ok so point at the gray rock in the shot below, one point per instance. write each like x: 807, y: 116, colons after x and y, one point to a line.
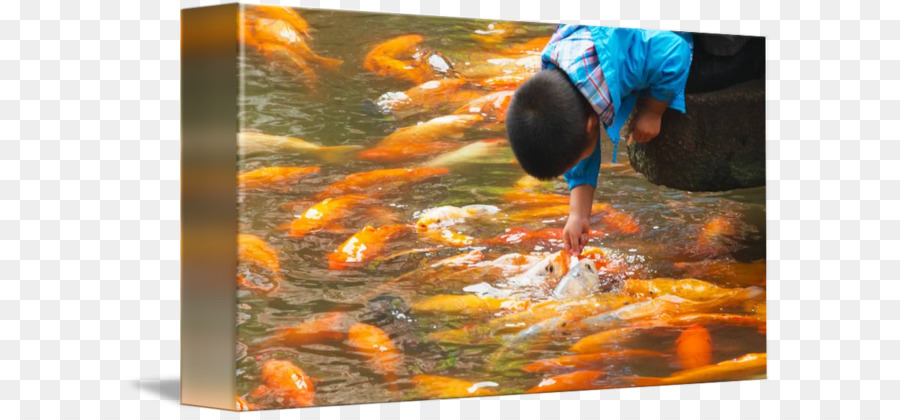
x: 720, y: 144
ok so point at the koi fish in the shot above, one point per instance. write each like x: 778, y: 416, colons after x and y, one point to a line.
x: 619, y: 222
x: 692, y: 289
x: 550, y: 212
x: 668, y: 306
x: 726, y: 272
x: 593, y: 360
x: 278, y: 53
x: 615, y: 338
x: 694, y: 347
x: 250, y: 143
x: 384, y: 358
x: 534, y: 46
x: 277, y: 31
x: 325, y: 214
x: 492, y: 107
x: 482, y: 151
x: 384, y: 60
x: 527, y: 199
x: 241, y: 404
x: 742, y: 367
x: 253, y: 251
x: 518, y: 235
x: 273, y: 176
x: 462, y: 260
x: 443, y: 387
x: 512, y: 64
x: 581, y: 280
x: 420, y: 140
x: 505, y: 82
x: 717, y: 234
x: 445, y: 216
x: 324, y: 328
x: 467, y: 305
x: 575, y: 381
x: 363, y: 246
x: 449, y: 237
x: 286, y: 383
x: 374, y: 182
x: 430, y: 95
x: 286, y: 14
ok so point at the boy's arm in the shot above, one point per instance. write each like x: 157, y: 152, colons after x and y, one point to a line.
x: 648, y: 119
x: 575, y: 234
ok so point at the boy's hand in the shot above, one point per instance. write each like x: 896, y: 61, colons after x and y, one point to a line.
x: 575, y: 234
x: 646, y: 123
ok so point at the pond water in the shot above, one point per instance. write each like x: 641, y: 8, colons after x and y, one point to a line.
x: 337, y: 109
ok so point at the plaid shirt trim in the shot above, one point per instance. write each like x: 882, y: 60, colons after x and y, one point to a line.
x: 572, y: 50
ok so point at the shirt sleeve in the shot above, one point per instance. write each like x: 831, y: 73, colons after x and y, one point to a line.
x: 672, y: 56
x: 586, y: 171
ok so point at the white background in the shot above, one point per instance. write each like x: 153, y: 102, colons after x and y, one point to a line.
x: 89, y: 212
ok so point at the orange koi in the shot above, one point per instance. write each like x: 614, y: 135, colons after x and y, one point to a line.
x: 694, y: 347
x: 324, y: 328
x: 726, y: 272
x: 374, y: 182
x: 449, y: 237
x: 443, y: 387
x: 505, y: 82
x: 253, y: 249
x: 534, y: 46
x: 461, y: 260
x: 493, y: 106
x: 468, y: 305
x: 449, y: 215
x: 273, y: 176
x: 363, y: 246
x: 427, y: 95
x: 592, y: 360
x: 575, y: 381
x: 286, y: 383
x: 384, y: 357
x: 620, y: 222
x: 550, y: 212
x: 427, y: 133
x: 692, y: 289
x: 527, y: 199
x: 324, y: 214
x: 746, y: 366
x: 241, y: 404
x: 280, y: 32
x: 404, y: 152
x: 384, y: 60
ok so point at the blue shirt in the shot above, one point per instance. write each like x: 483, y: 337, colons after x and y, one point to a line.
x: 620, y: 65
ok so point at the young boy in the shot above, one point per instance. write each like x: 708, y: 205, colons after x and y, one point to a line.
x: 590, y: 76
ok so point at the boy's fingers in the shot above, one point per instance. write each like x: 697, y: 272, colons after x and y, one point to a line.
x: 630, y: 139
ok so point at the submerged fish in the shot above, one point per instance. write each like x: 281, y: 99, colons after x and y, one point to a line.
x: 273, y: 176
x: 593, y: 361
x: 742, y: 367
x: 550, y: 212
x: 421, y: 140
x: 326, y: 214
x: 726, y: 272
x: 449, y: 237
x: 384, y: 358
x: 445, y: 216
x: 240, y: 404
x: 397, y: 58
x: 429, y: 96
x: 528, y: 199
x: 482, y: 151
x: 692, y: 289
x: 363, y: 246
x: 533, y: 46
x: 286, y: 14
x: 468, y: 305
x: 694, y: 347
x: 328, y: 327
x: 575, y: 381
x: 581, y: 280
x: 380, y: 180
x: 492, y: 107
x: 505, y: 81
x: 443, y: 387
x: 255, y: 143
x: 258, y: 264
x: 286, y: 384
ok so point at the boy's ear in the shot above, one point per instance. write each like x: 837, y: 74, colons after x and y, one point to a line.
x: 593, y: 122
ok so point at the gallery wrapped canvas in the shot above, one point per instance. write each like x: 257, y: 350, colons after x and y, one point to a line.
x: 393, y: 207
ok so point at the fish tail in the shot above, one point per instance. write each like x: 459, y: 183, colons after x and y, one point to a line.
x: 328, y: 63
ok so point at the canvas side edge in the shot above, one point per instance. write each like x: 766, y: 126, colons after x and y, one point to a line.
x: 209, y: 89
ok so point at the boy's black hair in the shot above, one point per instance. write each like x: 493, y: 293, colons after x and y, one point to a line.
x: 547, y: 124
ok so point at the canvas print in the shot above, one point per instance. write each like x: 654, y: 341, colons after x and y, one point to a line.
x: 441, y: 208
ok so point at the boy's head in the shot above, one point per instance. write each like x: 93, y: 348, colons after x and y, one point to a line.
x: 550, y: 125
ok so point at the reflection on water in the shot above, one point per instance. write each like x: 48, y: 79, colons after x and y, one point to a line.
x: 339, y: 109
